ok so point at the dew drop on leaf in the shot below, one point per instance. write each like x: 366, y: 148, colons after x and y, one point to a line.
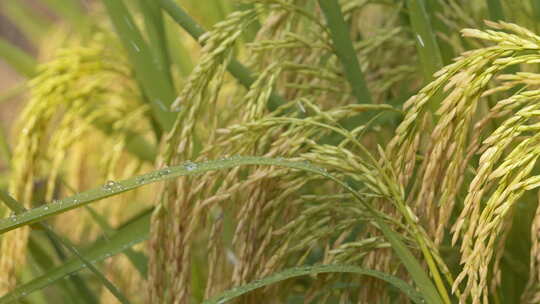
x: 190, y: 166
x: 301, y: 107
x: 135, y: 47
x: 110, y: 185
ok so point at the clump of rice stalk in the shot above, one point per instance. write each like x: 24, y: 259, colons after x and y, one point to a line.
x: 507, y: 154
x: 170, y: 260
x: 274, y: 224
x: 75, y: 92
x: 297, y: 35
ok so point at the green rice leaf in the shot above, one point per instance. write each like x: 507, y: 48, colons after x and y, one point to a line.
x: 127, y: 236
x: 426, y: 44
x: 5, y: 151
x: 536, y: 10
x: 313, y: 270
x: 189, y: 168
x: 178, y: 52
x: 139, y: 260
x: 31, y: 23
x: 495, y: 8
x: 21, y: 62
x: 345, y: 50
x: 155, y: 30
x: 155, y: 84
x: 18, y: 208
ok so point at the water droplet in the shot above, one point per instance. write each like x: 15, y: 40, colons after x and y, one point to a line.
x: 162, y: 105
x: 221, y: 300
x: 110, y: 185
x: 420, y: 40
x: 176, y: 105
x: 128, y: 22
x: 135, y: 46
x: 190, y: 166
x: 164, y: 172
x: 301, y: 107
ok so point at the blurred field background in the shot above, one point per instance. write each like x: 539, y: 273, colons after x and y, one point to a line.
x: 9, y: 78
x: 21, y: 26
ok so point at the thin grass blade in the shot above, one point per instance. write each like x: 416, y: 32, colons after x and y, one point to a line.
x: 21, y: 61
x: 138, y: 259
x: 113, y: 188
x: 343, y: 46
x: 495, y: 8
x: 133, y: 233
x: 5, y: 151
x: 536, y: 10
x: 31, y: 24
x: 157, y: 87
x: 312, y: 270
x: 18, y: 208
x: 178, y: 52
x: 426, y: 44
x: 155, y: 30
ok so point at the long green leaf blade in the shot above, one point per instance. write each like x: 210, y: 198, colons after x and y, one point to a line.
x: 17, y: 208
x: 5, y: 151
x: 17, y: 58
x: 426, y: 44
x: 495, y: 9
x: 137, y: 259
x: 345, y: 50
x: 311, y: 270
x: 112, y: 188
x: 155, y: 30
x: 155, y: 84
x: 127, y: 236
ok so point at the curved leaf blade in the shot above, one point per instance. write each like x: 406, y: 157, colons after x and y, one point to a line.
x: 189, y: 168
x: 310, y: 270
x: 113, y: 188
x: 125, y: 238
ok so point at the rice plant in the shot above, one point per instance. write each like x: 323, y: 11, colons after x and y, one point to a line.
x: 273, y: 151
